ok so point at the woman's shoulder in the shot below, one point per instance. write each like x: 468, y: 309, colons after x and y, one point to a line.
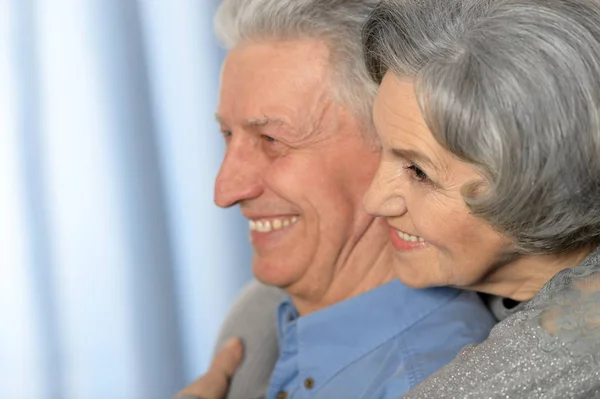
x: 566, y: 314
x: 549, y: 349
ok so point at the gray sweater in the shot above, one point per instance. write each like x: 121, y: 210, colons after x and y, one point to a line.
x: 253, y: 318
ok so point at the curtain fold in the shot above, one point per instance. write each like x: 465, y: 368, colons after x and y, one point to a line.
x: 116, y: 268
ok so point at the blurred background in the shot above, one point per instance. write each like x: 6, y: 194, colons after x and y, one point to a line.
x: 116, y: 268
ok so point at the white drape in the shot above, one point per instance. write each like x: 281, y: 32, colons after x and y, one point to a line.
x: 115, y: 266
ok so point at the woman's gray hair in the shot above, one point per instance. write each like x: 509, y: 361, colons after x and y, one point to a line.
x: 512, y: 86
x: 337, y: 23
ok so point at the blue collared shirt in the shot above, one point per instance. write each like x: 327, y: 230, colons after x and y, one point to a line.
x: 376, y: 345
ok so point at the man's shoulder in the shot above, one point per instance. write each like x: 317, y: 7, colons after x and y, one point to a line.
x: 465, y: 310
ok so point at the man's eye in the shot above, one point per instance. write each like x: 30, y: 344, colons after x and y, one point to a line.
x: 226, y: 133
x: 269, y: 138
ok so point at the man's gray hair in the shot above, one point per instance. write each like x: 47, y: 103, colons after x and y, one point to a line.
x: 337, y: 23
x: 512, y: 86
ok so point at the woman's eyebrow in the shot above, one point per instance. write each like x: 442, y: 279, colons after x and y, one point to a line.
x: 414, y: 156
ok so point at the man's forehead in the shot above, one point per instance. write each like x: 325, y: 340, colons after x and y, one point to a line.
x: 265, y: 72
x: 279, y: 54
x: 281, y: 84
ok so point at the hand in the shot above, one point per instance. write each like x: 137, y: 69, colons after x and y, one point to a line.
x: 215, y: 383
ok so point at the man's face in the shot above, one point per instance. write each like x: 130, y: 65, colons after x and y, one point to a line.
x: 296, y: 162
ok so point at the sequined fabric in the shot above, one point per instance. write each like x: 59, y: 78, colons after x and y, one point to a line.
x: 549, y: 349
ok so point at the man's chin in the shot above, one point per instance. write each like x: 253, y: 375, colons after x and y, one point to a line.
x: 275, y: 274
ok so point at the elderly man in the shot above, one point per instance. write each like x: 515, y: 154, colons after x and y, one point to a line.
x: 294, y: 111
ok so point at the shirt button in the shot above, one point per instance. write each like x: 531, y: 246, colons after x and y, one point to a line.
x: 282, y: 395
x: 309, y: 383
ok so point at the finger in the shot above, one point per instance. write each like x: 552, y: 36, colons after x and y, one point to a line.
x: 208, y: 386
x: 215, y: 383
x: 228, y: 359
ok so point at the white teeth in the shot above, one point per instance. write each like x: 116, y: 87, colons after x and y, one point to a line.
x: 409, y: 237
x: 265, y: 226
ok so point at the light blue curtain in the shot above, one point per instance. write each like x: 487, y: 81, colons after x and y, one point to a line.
x: 116, y: 268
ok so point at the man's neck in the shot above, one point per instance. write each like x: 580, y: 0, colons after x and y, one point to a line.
x: 363, y: 264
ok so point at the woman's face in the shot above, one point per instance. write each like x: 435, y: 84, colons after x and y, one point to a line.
x: 417, y: 189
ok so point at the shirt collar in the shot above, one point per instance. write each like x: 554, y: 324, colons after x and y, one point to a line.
x: 330, y: 339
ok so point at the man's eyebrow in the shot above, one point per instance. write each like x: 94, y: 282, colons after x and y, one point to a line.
x: 414, y: 156
x: 262, y: 121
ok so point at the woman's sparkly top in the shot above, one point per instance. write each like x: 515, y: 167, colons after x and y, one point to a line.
x: 548, y: 348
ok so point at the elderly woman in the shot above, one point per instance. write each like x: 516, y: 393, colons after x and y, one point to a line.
x: 489, y: 118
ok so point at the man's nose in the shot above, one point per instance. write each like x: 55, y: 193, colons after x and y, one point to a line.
x: 240, y: 177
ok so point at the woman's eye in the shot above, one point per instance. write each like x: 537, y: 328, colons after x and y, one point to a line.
x: 417, y: 173
x: 226, y: 133
x: 269, y: 138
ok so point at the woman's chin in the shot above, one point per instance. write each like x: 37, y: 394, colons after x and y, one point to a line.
x: 413, y: 278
